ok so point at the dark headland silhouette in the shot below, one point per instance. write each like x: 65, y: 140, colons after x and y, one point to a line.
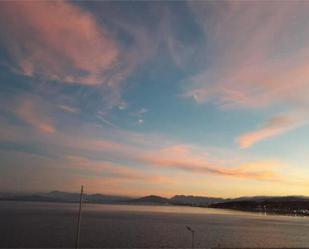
x: 292, y: 205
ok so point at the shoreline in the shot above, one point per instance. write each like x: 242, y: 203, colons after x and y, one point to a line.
x: 260, y: 212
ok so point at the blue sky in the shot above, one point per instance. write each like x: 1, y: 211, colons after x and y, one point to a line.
x: 164, y: 98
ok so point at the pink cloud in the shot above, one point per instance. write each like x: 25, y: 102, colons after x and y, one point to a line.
x: 259, y: 59
x: 145, y: 151
x: 158, y: 168
x: 57, y: 40
x: 68, y: 173
x: 107, y: 168
x: 260, y: 55
x: 35, y: 172
x: 148, y: 150
x: 261, y: 85
x: 275, y: 126
x: 69, y: 109
x: 184, y: 158
x: 40, y: 115
x: 31, y: 113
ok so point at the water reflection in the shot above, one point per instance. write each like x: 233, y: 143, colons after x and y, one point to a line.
x: 53, y: 225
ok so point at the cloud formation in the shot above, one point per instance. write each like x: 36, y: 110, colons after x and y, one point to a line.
x: 183, y: 158
x: 70, y: 58
x: 32, y: 113
x: 143, y: 151
x: 121, y: 157
x: 262, y: 54
x: 69, y: 109
x: 57, y: 40
x: 275, y: 126
x: 258, y: 58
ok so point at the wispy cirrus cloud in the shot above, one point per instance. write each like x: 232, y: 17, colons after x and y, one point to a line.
x: 182, y: 157
x: 258, y: 58
x: 106, y: 169
x: 69, y: 109
x: 275, y: 126
x: 142, y: 150
x: 31, y: 112
x: 101, y: 156
x: 57, y: 41
x: 46, y: 173
x: 65, y: 42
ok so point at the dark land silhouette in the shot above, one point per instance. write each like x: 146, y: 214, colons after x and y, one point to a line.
x: 292, y: 205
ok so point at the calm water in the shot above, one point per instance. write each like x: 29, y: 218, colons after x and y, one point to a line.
x: 33, y: 224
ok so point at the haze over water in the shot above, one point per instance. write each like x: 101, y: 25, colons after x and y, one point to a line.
x: 34, y: 224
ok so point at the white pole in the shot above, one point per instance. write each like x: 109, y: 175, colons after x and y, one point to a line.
x: 79, y: 217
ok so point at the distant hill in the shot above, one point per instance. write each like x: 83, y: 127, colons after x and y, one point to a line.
x: 184, y: 200
x: 297, y: 205
x: 64, y: 196
x: 58, y: 196
x: 151, y: 199
x: 32, y: 197
x: 190, y: 200
x: 94, y: 198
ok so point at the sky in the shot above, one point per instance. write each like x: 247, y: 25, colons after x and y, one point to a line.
x: 133, y: 98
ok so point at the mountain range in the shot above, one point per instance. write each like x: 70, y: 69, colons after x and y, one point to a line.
x: 59, y: 196
x: 269, y: 204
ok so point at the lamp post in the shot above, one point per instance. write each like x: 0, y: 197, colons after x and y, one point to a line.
x: 192, y: 233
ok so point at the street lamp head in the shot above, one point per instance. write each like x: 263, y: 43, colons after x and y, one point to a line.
x: 190, y: 229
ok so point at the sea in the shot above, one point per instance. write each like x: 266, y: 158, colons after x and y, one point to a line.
x: 53, y: 225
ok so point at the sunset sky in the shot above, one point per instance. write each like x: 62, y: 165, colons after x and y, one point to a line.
x: 136, y: 98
